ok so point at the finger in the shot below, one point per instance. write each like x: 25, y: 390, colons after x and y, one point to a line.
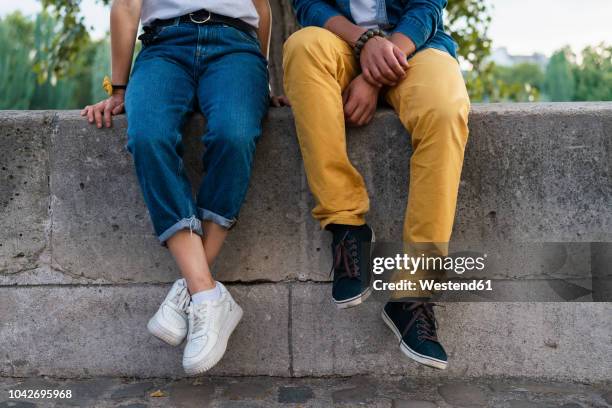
x: 98, y: 116
x: 387, y: 72
x: 107, y: 115
x: 84, y: 111
x: 361, y: 114
x: 350, y: 106
x: 401, y: 57
x: 395, y: 66
x: 378, y: 77
x: 367, y: 75
x: 345, y: 95
x: 90, y: 114
x: 357, y: 112
x: 274, y: 102
x: 285, y: 100
x: 118, y: 109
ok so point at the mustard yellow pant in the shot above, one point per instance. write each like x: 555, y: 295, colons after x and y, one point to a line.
x: 432, y: 104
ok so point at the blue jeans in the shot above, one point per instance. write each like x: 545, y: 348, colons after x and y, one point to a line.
x: 183, y: 67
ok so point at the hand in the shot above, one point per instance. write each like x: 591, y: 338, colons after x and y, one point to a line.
x: 114, y: 105
x: 382, y: 62
x: 278, y: 101
x: 359, y: 99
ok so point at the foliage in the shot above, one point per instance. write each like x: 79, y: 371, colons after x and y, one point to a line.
x: 16, y: 78
x: 593, y: 77
x: 520, y: 83
x: 468, y: 22
x: 559, y: 76
x: 24, y: 43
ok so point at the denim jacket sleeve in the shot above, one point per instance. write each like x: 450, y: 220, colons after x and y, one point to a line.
x: 420, y: 20
x: 314, y: 12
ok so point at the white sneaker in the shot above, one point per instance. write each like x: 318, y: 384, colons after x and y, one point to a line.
x: 210, y: 325
x: 170, y: 322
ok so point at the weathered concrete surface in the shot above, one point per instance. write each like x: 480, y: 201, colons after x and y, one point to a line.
x: 24, y: 190
x: 536, y: 172
x: 499, y: 339
x: 72, y: 217
x: 70, y: 331
x: 261, y: 392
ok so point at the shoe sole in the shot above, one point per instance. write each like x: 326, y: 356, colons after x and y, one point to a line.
x: 218, y: 350
x: 419, y: 358
x: 354, y: 301
x: 163, y: 334
x: 360, y: 298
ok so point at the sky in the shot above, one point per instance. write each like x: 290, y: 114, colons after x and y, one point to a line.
x: 523, y: 26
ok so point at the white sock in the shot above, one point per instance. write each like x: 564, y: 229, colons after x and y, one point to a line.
x: 206, y: 295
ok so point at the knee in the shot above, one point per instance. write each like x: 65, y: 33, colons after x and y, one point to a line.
x: 233, y: 137
x: 446, y: 117
x: 146, y: 136
x: 448, y: 112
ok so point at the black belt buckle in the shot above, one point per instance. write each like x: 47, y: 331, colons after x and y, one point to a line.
x: 194, y: 17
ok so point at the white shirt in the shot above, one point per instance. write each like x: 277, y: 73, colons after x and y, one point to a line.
x: 364, y: 13
x: 163, y: 9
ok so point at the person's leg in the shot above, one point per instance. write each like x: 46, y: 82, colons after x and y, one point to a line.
x: 160, y: 95
x: 433, y: 105
x: 233, y: 96
x: 318, y: 65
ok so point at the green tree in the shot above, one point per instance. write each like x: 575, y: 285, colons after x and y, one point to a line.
x: 16, y: 79
x: 594, y: 74
x: 559, y: 82
x: 468, y: 22
x: 24, y: 43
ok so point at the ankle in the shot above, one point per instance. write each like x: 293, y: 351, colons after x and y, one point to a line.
x: 206, y: 295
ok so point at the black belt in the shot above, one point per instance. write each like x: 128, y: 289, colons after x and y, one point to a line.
x: 206, y: 17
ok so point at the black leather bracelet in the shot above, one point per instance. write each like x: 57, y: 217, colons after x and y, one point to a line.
x: 365, y: 37
x: 119, y: 86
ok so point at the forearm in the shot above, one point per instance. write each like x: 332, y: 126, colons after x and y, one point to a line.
x: 125, y: 16
x: 264, y: 31
x: 346, y: 30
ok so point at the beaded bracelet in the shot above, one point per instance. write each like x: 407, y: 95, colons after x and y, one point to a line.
x: 363, y: 39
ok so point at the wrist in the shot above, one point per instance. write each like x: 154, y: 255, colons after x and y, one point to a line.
x: 403, y: 42
x: 374, y: 87
x: 365, y: 38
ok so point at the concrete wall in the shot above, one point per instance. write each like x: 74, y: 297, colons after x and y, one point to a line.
x: 81, y: 271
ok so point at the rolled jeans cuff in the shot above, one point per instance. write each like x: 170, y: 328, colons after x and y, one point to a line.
x: 192, y: 223
x: 207, y: 215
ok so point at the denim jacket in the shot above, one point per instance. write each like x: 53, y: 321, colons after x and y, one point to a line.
x: 419, y: 20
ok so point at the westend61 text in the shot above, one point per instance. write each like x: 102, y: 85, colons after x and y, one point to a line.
x: 432, y: 285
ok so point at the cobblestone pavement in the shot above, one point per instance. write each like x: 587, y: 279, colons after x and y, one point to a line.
x: 242, y: 392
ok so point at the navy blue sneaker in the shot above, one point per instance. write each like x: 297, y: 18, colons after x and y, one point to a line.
x: 351, y: 249
x: 414, y: 324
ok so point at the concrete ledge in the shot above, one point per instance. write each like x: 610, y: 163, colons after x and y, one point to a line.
x: 555, y: 340
x: 82, y: 331
x: 81, y: 271
x: 72, y: 211
x: 295, y: 330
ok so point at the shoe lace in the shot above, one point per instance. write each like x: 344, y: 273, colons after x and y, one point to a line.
x: 182, y: 298
x: 424, y: 318
x: 197, y: 318
x: 346, y: 255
